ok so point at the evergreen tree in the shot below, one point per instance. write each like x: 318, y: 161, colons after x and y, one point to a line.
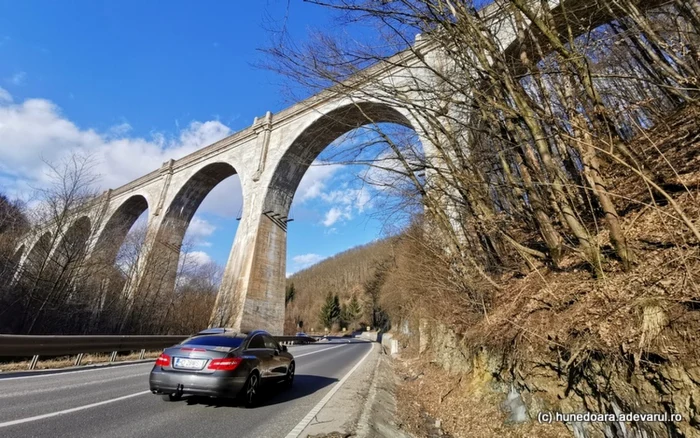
x: 289, y: 294
x: 330, y: 312
x: 344, y: 316
x: 353, y: 312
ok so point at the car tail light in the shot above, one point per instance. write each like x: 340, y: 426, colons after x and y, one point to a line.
x: 163, y: 360
x: 226, y: 364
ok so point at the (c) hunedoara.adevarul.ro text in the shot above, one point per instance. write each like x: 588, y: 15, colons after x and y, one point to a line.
x: 546, y: 417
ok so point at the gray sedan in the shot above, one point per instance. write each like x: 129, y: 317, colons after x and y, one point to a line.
x: 220, y: 363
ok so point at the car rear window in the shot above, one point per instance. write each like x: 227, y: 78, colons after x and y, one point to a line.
x: 215, y: 341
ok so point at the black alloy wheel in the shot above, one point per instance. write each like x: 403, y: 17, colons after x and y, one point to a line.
x: 290, y: 375
x: 251, y: 389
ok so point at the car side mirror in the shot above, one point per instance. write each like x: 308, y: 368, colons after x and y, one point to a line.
x: 284, y: 348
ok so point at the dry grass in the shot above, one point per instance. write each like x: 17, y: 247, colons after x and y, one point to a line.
x: 652, y: 308
x: 68, y: 361
x: 564, y: 317
x: 463, y: 406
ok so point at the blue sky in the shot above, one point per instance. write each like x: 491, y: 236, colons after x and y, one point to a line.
x: 136, y: 83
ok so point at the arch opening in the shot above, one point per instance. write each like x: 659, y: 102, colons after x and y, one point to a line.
x: 113, y: 263
x: 39, y: 253
x: 184, y: 264
x: 70, y: 252
x: 118, y: 226
x: 314, y: 139
x: 357, y: 141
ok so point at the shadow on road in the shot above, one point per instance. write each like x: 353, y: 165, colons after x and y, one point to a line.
x: 271, y: 394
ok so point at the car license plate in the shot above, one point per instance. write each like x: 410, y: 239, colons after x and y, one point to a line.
x: 190, y: 364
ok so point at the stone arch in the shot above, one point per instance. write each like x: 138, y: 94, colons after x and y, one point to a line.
x: 17, y: 256
x: 188, y: 199
x: 160, y: 269
x: 72, y: 246
x: 252, y: 292
x: 38, y: 254
x: 315, y: 138
x: 14, y: 263
x: 117, y: 227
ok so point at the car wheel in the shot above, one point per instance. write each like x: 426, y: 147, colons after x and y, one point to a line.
x: 251, y: 389
x: 290, y: 375
x: 171, y: 397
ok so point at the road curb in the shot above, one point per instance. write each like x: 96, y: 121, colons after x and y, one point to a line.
x: 301, y: 429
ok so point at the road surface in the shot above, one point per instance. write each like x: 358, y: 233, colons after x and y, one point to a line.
x: 115, y: 401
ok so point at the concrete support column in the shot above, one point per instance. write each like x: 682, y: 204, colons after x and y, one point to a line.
x: 252, y: 291
x: 264, y: 304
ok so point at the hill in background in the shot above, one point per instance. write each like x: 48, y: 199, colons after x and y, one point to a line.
x: 345, y: 274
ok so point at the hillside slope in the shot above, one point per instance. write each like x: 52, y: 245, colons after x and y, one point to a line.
x: 344, y: 274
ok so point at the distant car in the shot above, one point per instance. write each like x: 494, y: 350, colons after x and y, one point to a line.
x: 301, y: 334
x: 222, y: 364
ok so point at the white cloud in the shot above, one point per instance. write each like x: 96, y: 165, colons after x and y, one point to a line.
x: 18, y: 78
x: 315, y: 180
x: 332, y: 216
x: 357, y: 198
x: 388, y: 175
x: 317, y: 184
x: 5, y: 96
x: 304, y: 260
x: 198, y: 230
x: 225, y: 199
x: 36, y: 129
x: 189, y: 264
x: 120, y: 130
x: 199, y: 258
x: 363, y: 199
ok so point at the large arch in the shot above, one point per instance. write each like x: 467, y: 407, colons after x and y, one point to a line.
x: 17, y: 257
x: 160, y: 266
x: 309, y: 144
x: 72, y: 246
x: 114, y: 233
x: 37, y: 256
x: 252, y: 295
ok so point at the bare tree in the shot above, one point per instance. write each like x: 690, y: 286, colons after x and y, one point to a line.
x: 519, y: 140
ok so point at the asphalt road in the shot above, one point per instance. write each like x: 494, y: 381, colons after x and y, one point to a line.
x: 115, y: 401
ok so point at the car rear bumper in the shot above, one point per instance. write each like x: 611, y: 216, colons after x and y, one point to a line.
x: 192, y: 384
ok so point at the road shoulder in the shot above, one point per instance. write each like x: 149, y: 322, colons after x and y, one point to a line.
x: 365, y: 406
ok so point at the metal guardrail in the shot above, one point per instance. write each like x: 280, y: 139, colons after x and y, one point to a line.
x: 291, y: 340
x: 68, y: 345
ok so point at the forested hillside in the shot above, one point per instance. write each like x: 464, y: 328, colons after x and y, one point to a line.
x: 347, y: 275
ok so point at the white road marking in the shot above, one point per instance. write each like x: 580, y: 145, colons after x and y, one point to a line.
x: 75, y: 385
x: 57, y: 372
x: 318, y: 351
x: 68, y: 411
x: 299, y: 428
x: 63, y: 373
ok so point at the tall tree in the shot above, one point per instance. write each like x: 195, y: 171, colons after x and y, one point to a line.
x: 330, y: 312
x: 289, y: 294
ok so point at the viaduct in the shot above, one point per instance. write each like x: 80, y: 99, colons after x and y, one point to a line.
x: 270, y: 157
